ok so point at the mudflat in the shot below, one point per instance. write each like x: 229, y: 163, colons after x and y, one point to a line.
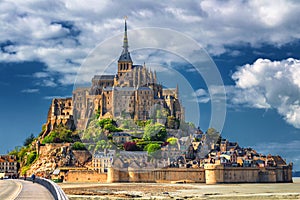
x: 182, y: 191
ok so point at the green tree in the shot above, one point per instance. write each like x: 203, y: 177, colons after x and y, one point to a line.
x: 31, y: 158
x: 155, y: 132
x: 91, y: 147
x: 29, y: 140
x: 153, y: 150
x: 112, y: 128
x: 15, y: 152
x: 172, y: 140
x: 102, y: 144
x: 22, y: 153
x: 103, y: 122
x: 97, y: 114
x: 78, y: 146
x: 108, y: 124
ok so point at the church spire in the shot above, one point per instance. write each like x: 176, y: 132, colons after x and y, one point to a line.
x: 125, y: 56
x: 125, y: 40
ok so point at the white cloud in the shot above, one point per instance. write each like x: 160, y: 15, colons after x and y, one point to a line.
x: 201, y: 95
x: 56, y: 97
x: 269, y: 85
x: 40, y: 75
x: 30, y: 90
x: 264, y: 84
x: 200, y: 92
x: 62, y: 33
x: 48, y: 83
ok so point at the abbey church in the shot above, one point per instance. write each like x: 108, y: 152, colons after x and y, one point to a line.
x: 132, y: 93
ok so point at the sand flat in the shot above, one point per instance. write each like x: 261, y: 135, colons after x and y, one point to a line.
x: 182, y: 191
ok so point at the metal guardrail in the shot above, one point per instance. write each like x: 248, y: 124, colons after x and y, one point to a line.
x: 54, y: 189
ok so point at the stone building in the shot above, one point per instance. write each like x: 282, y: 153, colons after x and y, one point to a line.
x: 121, y: 137
x: 102, y: 160
x: 8, y: 166
x: 131, y: 93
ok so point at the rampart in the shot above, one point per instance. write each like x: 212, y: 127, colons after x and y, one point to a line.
x: 221, y: 174
x: 155, y: 175
x: 210, y: 174
x: 85, y: 176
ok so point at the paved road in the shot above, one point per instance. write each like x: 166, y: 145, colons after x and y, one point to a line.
x: 9, y: 189
x: 23, y: 190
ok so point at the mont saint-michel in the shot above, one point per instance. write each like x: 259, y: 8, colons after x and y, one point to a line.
x: 127, y: 127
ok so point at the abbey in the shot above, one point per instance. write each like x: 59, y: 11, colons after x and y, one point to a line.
x: 133, y: 92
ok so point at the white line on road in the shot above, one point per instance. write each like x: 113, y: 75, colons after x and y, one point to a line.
x: 16, y: 194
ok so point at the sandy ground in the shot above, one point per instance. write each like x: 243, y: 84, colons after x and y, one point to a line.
x: 182, y: 191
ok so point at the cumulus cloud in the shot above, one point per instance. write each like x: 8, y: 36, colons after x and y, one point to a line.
x: 201, y: 95
x: 269, y: 85
x: 31, y: 90
x: 264, y: 84
x: 61, y: 37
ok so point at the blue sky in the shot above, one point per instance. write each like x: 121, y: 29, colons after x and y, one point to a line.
x: 254, y: 44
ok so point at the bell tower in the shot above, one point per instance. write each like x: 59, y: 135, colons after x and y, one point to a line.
x: 124, y: 62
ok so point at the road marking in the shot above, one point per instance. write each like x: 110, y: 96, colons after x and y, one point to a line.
x: 16, y: 194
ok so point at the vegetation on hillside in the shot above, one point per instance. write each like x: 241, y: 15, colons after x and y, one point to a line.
x: 27, y: 154
x: 60, y: 134
x: 78, y: 146
x: 155, y: 132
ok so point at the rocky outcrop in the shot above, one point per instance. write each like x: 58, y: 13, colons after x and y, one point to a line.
x: 60, y: 114
x: 57, y: 155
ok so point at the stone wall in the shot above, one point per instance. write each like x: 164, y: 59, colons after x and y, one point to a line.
x: 156, y: 175
x: 85, y: 176
x: 220, y: 174
x: 211, y: 174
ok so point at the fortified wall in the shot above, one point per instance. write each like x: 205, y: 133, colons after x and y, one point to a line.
x: 155, y: 175
x: 85, y: 176
x: 220, y: 174
x: 211, y: 174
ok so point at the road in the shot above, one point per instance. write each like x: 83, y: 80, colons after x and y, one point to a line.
x: 23, y: 190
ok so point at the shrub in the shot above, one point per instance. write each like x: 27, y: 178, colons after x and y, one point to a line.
x: 25, y: 169
x: 103, y: 122
x: 153, y: 150
x: 78, y: 146
x: 155, y: 132
x: 31, y: 158
x: 112, y: 128
x: 172, y: 140
x: 130, y: 146
x: 108, y: 124
x: 59, y: 135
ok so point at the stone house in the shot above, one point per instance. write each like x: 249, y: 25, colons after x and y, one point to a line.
x: 121, y: 137
x: 9, y: 166
x: 102, y: 160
